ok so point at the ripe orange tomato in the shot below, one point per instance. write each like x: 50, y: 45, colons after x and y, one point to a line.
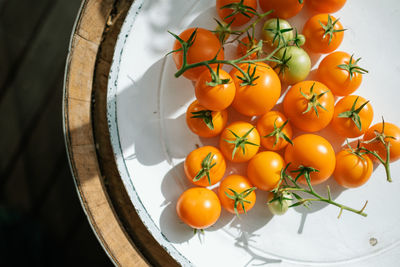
x: 323, y: 39
x: 326, y: 6
x: 314, y: 151
x: 273, y: 130
x: 205, y: 166
x: 204, y: 122
x: 215, y: 97
x: 351, y: 170
x: 236, y: 10
x: 389, y: 130
x: 309, y: 105
x: 245, y: 45
x: 205, y: 46
x: 260, y: 95
x: 241, y: 193
x: 239, y: 141
x: 340, y: 73
x: 282, y: 8
x: 264, y: 170
x: 198, y: 207
x: 351, y: 121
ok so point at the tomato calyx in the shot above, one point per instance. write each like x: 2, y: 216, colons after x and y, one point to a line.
x: 249, y: 77
x: 184, y: 44
x: 381, y: 137
x: 278, y: 134
x: 206, y: 166
x: 359, y: 151
x: 353, y: 113
x: 287, y: 184
x: 282, y: 63
x: 206, y: 116
x: 280, y: 202
x: 313, y: 102
x: 353, y: 67
x: 215, y: 78
x: 329, y: 28
x: 240, y: 142
x: 195, y: 231
x: 278, y: 33
x: 223, y: 31
x: 252, y: 45
x: 298, y: 40
x: 240, y: 198
x: 305, y: 171
x: 239, y: 8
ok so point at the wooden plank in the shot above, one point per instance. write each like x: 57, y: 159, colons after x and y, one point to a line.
x: 94, y: 18
x: 17, y: 35
x: 85, y: 57
x: 122, y: 203
x: 89, y: 179
x: 97, y: 206
x: 59, y: 206
x: 40, y: 183
x: 46, y: 57
x: 22, y: 135
x: 20, y: 201
x: 44, y: 152
x: 115, y: 221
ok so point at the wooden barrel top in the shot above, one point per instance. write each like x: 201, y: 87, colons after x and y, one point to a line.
x: 104, y: 199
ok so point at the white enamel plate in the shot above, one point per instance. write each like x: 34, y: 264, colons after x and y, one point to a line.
x: 146, y: 114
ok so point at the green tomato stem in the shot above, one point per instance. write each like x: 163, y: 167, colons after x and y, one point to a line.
x: 385, y: 163
x: 294, y: 186
x: 234, y: 62
x: 326, y: 200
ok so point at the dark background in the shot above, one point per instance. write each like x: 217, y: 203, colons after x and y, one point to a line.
x: 41, y: 219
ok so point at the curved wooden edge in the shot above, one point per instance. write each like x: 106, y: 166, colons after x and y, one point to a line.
x: 103, y: 196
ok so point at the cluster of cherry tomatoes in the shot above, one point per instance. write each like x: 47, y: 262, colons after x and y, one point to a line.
x: 253, y: 87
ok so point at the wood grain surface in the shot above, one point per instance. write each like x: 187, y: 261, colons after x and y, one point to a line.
x: 40, y: 213
x: 103, y: 196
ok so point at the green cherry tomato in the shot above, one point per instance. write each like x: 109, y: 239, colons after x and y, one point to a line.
x: 279, y: 206
x: 277, y: 32
x: 295, y: 64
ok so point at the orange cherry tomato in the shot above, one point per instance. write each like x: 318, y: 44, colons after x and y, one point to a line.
x: 347, y: 120
x: 205, y: 166
x: 239, y: 141
x: 205, y: 46
x: 309, y: 105
x: 282, y: 8
x: 238, y: 188
x: 273, y: 130
x: 264, y: 170
x: 323, y: 39
x: 245, y: 45
x: 311, y: 151
x: 389, y: 130
x: 235, y: 12
x: 326, y: 6
x: 256, y: 97
x: 198, y: 207
x: 340, y: 73
x: 204, y: 122
x: 351, y: 170
x: 215, y: 97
